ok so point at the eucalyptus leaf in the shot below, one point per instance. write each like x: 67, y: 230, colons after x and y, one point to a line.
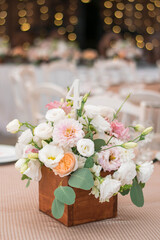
x: 136, y: 194
x: 89, y: 163
x: 82, y: 179
x: 57, y: 209
x: 65, y: 195
x: 99, y: 143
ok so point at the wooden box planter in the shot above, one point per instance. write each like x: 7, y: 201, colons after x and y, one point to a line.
x: 86, y: 207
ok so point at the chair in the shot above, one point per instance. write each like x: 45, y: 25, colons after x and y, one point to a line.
x: 150, y: 116
x: 129, y: 111
x: 137, y: 96
x: 61, y: 73
x: 39, y: 95
x: 21, y: 77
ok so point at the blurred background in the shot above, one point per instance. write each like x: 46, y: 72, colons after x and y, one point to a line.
x: 113, y: 47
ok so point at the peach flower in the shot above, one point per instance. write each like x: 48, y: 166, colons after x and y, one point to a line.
x: 66, y: 165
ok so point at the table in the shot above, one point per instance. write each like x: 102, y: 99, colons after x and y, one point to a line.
x: 21, y: 219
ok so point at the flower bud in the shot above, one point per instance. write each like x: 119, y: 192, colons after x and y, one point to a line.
x: 33, y: 155
x: 129, y: 145
x: 24, y: 167
x: 139, y: 128
x: 13, y: 126
x: 147, y: 131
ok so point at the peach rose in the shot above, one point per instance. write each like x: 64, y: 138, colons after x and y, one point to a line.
x: 66, y: 165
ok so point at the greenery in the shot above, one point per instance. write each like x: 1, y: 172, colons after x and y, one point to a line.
x: 136, y: 194
x: 57, y: 209
x: 82, y: 178
x: 65, y: 195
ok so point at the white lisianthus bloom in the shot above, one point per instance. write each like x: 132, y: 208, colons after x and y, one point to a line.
x: 100, y: 124
x: 21, y: 162
x: 85, y: 147
x: 55, y: 114
x: 108, y: 187
x: 43, y: 131
x: 51, y: 155
x: 38, y: 141
x: 125, y: 173
x: 96, y: 169
x: 26, y: 137
x: 81, y: 161
x: 13, y: 126
x: 34, y: 170
x: 145, y: 171
x: 95, y: 192
x: 106, y: 112
x: 29, y: 149
x: 19, y: 149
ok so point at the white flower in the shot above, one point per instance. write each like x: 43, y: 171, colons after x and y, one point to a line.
x: 21, y: 162
x: 43, y: 131
x: 95, y: 191
x: 85, y: 147
x: 81, y: 161
x: 13, y: 126
x: 96, y: 169
x: 108, y: 187
x: 29, y: 149
x: 55, y: 114
x: 26, y: 137
x: 34, y: 170
x: 106, y: 112
x: 145, y: 171
x: 38, y: 141
x: 101, y: 124
x: 125, y: 173
x: 50, y: 155
x: 19, y: 149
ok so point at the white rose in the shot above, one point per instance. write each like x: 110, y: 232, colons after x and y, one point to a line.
x: 55, y: 114
x: 106, y: 112
x: 108, y: 187
x: 96, y: 169
x: 51, y: 155
x: 126, y: 173
x: 145, y: 171
x: 101, y: 124
x: 43, y: 131
x: 13, y: 126
x: 34, y: 170
x: 26, y: 137
x: 19, y: 149
x: 85, y: 147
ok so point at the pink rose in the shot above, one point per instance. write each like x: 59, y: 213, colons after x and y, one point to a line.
x: 57, y: 104
x: 119, y: 131
x: 109, y: 159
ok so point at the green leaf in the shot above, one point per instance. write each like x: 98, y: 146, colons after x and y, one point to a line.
x: 89, y: 163
x: 136, y: 194
x: 125, y: 192
x: 82, y: 179
x: 65, y: 195
x: 99, y: 143
x: 28, y: 182
x: 57, y: 209
x: 24, y: 177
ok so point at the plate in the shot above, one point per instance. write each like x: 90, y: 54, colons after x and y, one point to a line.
x: 7, y: 154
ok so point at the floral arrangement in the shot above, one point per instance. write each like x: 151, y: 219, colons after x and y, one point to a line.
x: 82, y: 141
x: 50, y: 50
x: 124, y: 49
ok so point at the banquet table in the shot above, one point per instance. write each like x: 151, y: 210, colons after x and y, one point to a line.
x: 21, y: 219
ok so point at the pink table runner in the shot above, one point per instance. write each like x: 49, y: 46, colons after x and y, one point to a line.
x: 20, y: 218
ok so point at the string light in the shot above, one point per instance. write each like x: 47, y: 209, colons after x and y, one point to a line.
x: 72, y: 36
